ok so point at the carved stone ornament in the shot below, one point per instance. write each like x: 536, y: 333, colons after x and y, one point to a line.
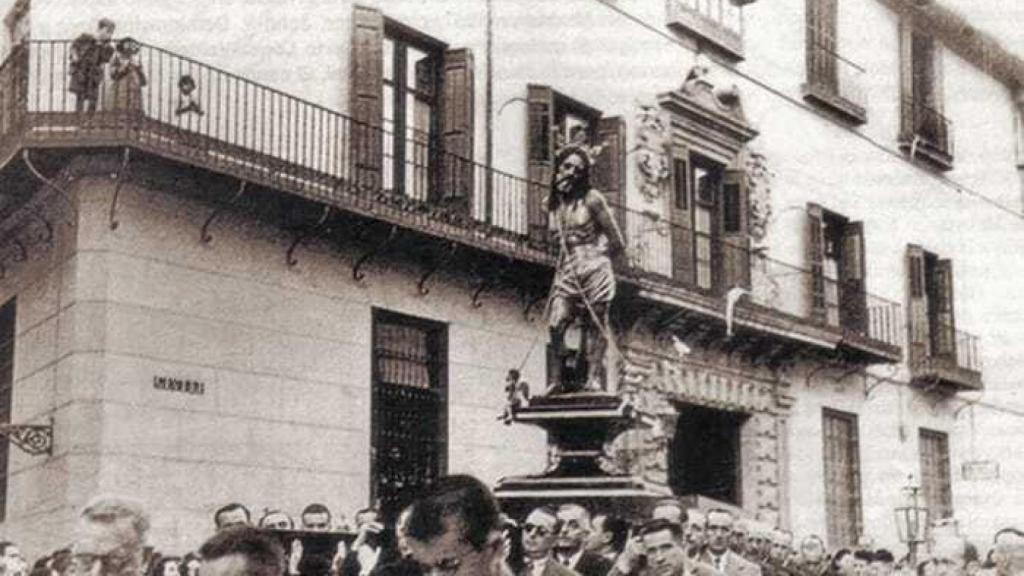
x: 652, y: 150
x: 700, y: 85
x: 759, y: 183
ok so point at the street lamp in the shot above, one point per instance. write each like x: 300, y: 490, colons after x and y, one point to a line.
x: 912, y: 519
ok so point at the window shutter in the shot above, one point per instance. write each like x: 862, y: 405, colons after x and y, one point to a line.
x: 917, y: 307
x: 735, y: 241
x: 457, y: 126
x: 945, y: 341
x: 853, y: 298
x: 610, y: 167
x: 906, y: 79
x: 367, y: 97
x: 821, y: 43
x: 680, y: 217
x: 540, y: 102
x: 816, y: 263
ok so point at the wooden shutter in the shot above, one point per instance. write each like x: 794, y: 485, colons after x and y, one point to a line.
x: 815, y: 263
x: 945, y: 326
x: 540, y: 102
x: 853, y: 300
x: 917, y: 307
x: 821, y: 43
x: 680, y: 216
x: 735, y: 241
x: 609, y: 174
x: 367, y: 97
x: 457, y: 125
x: 906, y: 79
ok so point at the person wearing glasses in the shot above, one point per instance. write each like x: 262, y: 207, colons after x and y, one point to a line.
x: 718, y: 526
x: 540, y: 533
x: 111, y: 535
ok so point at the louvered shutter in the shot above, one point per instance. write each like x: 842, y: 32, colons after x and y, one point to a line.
x: 735, y: 241
x: 906, y: 80
x: 945, y: 323
x: 367, y: 98
x: 821, y: 43
x: 917, y: 307
x: 457, y: 125
x: 609, y: 174
x: 815, y: 264
x: 853, y: 304
x: 540, y: 160
x: 680, y: 217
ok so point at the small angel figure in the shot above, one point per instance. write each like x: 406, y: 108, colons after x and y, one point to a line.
x: 187, y: 98
x: 517, y: 394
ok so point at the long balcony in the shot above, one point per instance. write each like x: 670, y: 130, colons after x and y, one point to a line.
x: 926, y: 134
x: 950, y: 359
x: 715, y: 24
x: 834, y: 81
x: 233, y: 128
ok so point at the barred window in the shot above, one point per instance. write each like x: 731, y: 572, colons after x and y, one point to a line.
x: 842, y: 478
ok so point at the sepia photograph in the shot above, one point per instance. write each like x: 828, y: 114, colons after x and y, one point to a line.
x: 511, y: 288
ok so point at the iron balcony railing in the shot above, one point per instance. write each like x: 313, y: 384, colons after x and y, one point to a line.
x: 713, y: 264
x: 833, y: 74
x: 718, y: 21
x: 232, y: 124
x: 936, y: 341
x: 925, y: 125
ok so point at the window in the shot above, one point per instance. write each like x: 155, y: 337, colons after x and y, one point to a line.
x: 842, y: 478
x: 932, y: 319
x: 7, y: 322
x: 935, y: 478
x: 411, y: 104
x: 679, y: 188
x: 401, y: 142
x: 707, y: 176
x: 705, y: 454
x: 409, y: 419
x: 837, y: 270
x: 925, y: 132
x: 833, y: 80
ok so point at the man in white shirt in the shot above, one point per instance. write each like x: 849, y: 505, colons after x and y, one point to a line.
x: 569, y: 548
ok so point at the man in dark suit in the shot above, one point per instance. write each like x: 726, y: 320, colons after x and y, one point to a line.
x: 718, y: 530
x: 570, y: 549
x: 540, y: 531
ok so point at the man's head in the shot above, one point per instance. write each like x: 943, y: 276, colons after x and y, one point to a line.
x: 662, y: 543
x: 842, y: 562
x: 718, y: 528
x: 11, y: 560
x: 575, y: 527
x: 455, y: 528
x: 608, y: 534
x: 948, y: 555
x: 105, y: 29
x: 862, y: 560
x: 540, y: 531
x: 110, y: 537
x: 241, y: 551
x: 882, y: 563
x: 316, y: 518
x: 759, y: 540
x: 781, y: 545
x: 1008, y: 553
x: 739, y: 539
x: 276, y: 520
x: 669, y: 509
x: 367, y: 516
x: 572, y: 173
x: 812, y: 549
x: 233, y: 514
x: 695, y: 528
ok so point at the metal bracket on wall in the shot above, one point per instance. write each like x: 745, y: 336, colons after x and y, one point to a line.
x: 449, y: 252
x: 204, y: 233
x: 531, y: 303
x: 486, y: 282
x: 357, y: 269
x: 33, y: 439
x: 309, y: 232
x: 52, y: 185
x: 118, y: 182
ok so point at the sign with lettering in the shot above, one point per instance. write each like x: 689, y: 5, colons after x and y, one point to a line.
x: 978, y: 470
x: 182, y: 385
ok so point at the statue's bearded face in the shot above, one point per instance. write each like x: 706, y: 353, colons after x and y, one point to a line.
x: 571, y: 172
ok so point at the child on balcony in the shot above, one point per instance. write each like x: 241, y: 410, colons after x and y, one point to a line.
x: 128, y: 76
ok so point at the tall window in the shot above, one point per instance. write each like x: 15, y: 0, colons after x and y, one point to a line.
x: 409, y: 405
x: 412, y: 67
x: 837, y: 266
x: 833, y: 80
x: 924, y: 129
x: 935, y: 479
x: 707, y: 177
x: 932, y: 319
x: 842, y: 478
x: 7, y: 317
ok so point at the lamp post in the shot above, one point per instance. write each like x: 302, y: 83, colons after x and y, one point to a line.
x: 912, y: 519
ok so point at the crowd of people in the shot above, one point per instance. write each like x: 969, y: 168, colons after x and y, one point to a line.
x: 459, y: 529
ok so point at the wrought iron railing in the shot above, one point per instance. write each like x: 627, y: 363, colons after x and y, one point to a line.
x: 834, y: 74
x: 231, y: 123
x: 925, y: 125
x: 720, y: 21
x: 936, y: 341
x: 967, y: 351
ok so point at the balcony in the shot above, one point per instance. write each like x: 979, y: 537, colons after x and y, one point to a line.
x: 835, y: 83
x: 714, y: 24
x: 938, y: 366
x: 926, y: 134
x: 778, y: 303
x: 294, y: 151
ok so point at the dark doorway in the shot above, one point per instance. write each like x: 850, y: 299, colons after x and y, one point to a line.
x: 705, y: 454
